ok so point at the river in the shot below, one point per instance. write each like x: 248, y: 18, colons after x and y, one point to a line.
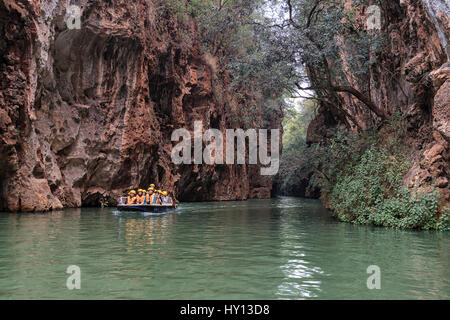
x: 283, y: 248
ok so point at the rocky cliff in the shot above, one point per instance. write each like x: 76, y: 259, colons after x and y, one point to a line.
x: 88, y: 113
x: 411, y: 77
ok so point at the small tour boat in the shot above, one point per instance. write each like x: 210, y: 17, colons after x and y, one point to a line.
x: 145, y: 207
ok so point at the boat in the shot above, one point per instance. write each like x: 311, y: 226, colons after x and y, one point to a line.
x: 144, y: 207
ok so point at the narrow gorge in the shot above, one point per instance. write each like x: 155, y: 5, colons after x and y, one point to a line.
x: 210, y: 150
x: 87, y: 113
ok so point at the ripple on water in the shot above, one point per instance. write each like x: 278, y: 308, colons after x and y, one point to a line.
x: 284, y: 248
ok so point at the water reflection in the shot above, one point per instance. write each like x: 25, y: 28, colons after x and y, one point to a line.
x: 300, y: 274
x: 145, y: 233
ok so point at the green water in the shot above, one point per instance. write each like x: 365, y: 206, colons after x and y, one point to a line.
x: 284, y: 248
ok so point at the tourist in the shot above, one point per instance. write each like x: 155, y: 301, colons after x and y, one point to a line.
x: 150, y: 196
x: 164, y: 198
x: 158, y: 197
x: 131, y: 197
x: 169, y: 200
x: 140, y: 199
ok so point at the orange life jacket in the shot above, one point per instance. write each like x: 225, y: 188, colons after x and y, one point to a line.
x: 149, y: 198
x: 140, y: 199
x: 131, y: 200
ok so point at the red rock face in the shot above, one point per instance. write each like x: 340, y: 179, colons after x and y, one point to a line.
x: 88, y: 113
x: 412, y: 76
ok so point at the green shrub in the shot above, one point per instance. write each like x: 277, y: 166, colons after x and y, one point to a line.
x: 444, y: 221
x: 364, y: 184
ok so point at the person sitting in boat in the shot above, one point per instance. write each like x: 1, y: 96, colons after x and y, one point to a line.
x: 169, y: 200
x: 157, y: 199
x: 165, y: 199
x: 140, y: 199
x: 131, y: 197
x: 154, y: 197
x: 150, y: 195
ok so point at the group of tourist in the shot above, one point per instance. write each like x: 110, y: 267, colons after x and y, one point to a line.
x: 151, y: 196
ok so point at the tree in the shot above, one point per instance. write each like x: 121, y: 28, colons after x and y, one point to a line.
x: 287, y: 48
x: 301, y: 47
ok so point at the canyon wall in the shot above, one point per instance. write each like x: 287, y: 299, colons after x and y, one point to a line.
x: 411, y: 77
x: 88, y: 113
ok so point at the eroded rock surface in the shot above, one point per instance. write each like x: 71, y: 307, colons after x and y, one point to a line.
x: 88, y: 113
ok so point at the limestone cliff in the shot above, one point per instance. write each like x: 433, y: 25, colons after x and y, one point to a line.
x: 411, y: 78
x: 88, y: 113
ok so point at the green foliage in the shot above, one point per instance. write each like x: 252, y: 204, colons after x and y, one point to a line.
x: 224, y: 24
x: 444, y: 221
x: 362, y: 182
x: 228, y: 34
x: 295, y: 163
x: 266, y: 50
x: 295, y: 124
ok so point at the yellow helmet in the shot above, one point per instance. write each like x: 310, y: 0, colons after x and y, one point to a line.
x: 150, y: 189
x: 164, y: 193
x: 152, y: 186
x: 132, y: 192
